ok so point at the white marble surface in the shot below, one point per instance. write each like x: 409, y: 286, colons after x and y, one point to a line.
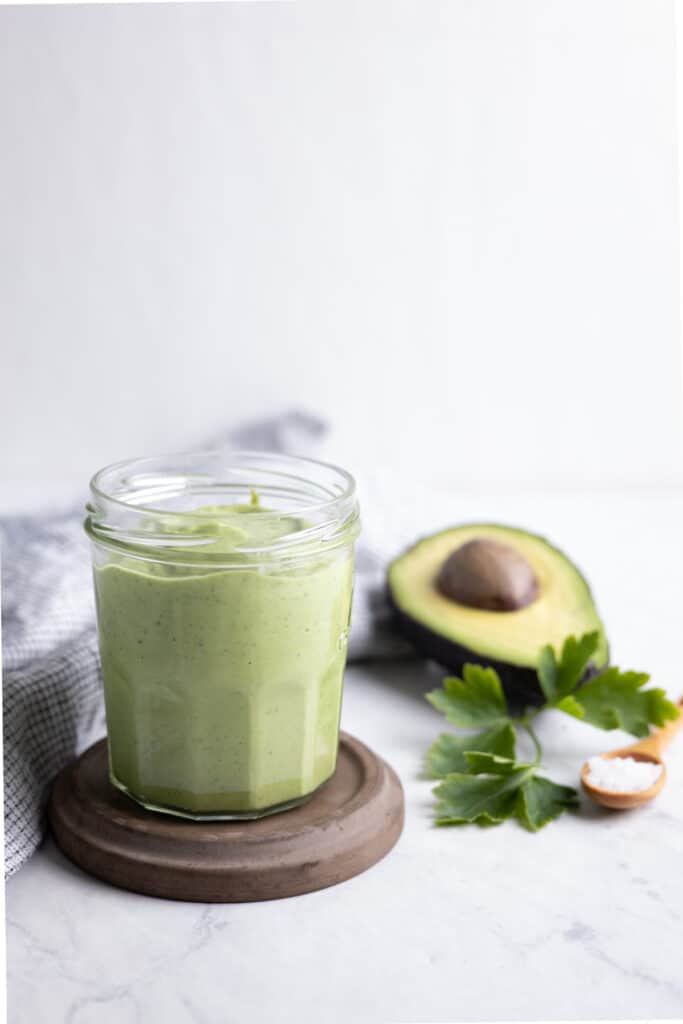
x: 582, y: 920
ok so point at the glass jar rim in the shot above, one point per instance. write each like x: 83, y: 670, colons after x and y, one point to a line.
x: 133, y: 487
x: 224, y: 454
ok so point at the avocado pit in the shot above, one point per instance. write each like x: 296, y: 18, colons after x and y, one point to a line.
x: 486, y: 574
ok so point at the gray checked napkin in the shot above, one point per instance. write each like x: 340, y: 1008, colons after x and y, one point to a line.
x: 52, y: 692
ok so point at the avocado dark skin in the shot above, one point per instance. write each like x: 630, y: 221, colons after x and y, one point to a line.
x: 519, y: 684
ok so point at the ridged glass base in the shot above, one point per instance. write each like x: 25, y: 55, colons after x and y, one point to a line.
x: 243, y: 815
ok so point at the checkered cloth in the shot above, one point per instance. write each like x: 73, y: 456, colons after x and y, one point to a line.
x: 52, y: 691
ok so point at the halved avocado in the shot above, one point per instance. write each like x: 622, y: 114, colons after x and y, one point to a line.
x: 493, y: 595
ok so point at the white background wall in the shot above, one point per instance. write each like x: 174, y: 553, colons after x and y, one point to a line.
x: 450, y: 227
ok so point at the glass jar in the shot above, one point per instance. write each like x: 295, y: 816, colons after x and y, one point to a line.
x: 223, y: 587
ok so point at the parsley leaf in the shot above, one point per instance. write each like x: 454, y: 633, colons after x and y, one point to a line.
x: 558, y: 678
x: 492, y: 764
x: 482, y: 780
x: 447, y: 753
x: 539, y: 801
x: 615, y: 700
x: 570, y: 706
x: 485, y: 799
x: 501, y: 788
x: 475, y: 701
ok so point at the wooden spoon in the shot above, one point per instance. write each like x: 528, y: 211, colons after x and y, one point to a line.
x: 649, y: 749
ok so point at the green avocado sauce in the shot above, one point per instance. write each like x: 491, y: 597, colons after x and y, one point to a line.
x: 223, y: 685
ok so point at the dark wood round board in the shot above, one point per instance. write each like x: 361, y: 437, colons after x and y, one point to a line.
x: 346, y: 827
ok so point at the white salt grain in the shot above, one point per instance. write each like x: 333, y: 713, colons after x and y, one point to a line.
x: 622, y: 774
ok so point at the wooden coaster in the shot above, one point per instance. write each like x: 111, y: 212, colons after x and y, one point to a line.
x: 346, y: 827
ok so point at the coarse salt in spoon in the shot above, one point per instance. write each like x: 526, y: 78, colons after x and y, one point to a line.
x: 630, y: 776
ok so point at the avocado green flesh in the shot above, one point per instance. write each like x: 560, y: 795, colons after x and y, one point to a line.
x: 564, y: 604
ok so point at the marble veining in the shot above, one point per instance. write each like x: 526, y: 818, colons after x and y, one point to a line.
x: 582, y: 920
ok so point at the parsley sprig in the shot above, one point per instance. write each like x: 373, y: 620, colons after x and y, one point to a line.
x: 482, y: 780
